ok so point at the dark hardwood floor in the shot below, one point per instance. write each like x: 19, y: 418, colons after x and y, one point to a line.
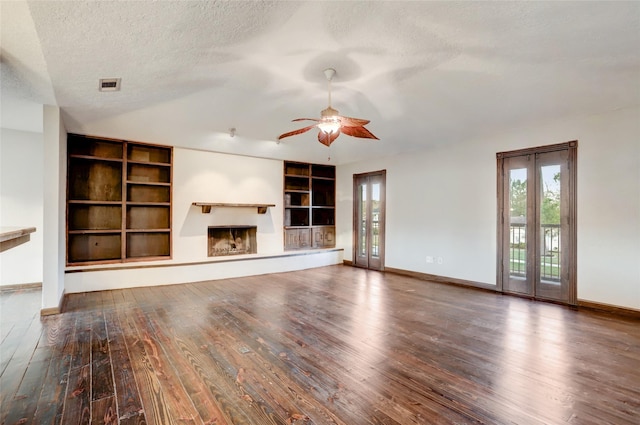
x: 334, y: 345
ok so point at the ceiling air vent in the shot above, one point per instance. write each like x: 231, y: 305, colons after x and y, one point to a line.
x: 109, y: 84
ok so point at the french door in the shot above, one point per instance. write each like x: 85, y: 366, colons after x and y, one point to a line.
x: 369, y: 219
x: 536, y: 222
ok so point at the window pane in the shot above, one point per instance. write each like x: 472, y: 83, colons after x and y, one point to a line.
x: 362, y: 214
x: 375, y: 219
x: 550, y: 223
x: 517, y: 222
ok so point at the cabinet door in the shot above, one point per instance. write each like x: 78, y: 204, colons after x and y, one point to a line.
x: 290, y: 238
x: 318, y: 237
x: 304, y: 238
x: 324, y: 237
x: 329, y: 237
x: 297, y: 238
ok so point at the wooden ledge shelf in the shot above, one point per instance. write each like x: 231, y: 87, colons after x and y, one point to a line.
x: 206, y: 206
x: 11, y: 237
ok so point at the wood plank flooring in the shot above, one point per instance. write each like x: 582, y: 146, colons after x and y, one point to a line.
x: 334, y: 345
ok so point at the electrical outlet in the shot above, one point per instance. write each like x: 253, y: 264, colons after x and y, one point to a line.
x: 429, y: 259
x: 440, y: 260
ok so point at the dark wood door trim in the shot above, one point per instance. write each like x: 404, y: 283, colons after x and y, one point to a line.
x: 571, y: 148
x: 355, y: 224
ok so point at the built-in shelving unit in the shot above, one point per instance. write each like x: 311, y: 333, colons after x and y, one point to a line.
x: 118, y: 200
x: 309, y: 212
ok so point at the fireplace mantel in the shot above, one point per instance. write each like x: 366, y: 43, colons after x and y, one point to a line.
x: 206, y: 206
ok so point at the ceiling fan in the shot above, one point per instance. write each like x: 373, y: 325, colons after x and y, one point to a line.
x: 331, y: 124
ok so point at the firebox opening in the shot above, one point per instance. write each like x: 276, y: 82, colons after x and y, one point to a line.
x: 232, y: 240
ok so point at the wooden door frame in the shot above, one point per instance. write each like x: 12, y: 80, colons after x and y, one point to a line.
x: 355, y: 222
x: 572, y: 265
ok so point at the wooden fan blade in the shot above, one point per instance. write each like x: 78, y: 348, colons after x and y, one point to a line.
x: 295, y: 132
x: 353, y: 122
x: 327, y: 139
x: 358, y: 132
x: 306, y: 119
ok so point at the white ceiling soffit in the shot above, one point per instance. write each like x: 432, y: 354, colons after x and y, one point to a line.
x: 424, y: 73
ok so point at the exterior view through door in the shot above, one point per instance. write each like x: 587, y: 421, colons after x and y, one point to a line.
x: 369, y: 219
x: 536, y: 222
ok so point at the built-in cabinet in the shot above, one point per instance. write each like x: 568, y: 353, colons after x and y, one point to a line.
x: 309, y: 205
x: 118, y: 200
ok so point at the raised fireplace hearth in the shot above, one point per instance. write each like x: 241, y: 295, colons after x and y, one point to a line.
x: 231, y: 240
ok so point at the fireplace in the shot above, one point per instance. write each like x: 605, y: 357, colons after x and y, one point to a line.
x: 232, y: 240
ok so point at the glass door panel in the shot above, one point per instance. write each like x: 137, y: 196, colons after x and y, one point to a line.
x: 517, y: 223
x: 549, y: 227
x: 551, y: 224
x: 369, y: 220
x: 517, y: 265
x: 375, y: 219
x: 361, y: 219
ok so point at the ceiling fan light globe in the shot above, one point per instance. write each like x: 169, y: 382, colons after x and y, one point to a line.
x: 329, y: 125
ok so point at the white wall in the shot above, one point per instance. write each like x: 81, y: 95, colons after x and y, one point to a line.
x: 442, y: 203
x: 21, y: 180
x: 210, y: 177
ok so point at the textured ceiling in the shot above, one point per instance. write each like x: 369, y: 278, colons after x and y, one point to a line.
x: 425, y: 73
